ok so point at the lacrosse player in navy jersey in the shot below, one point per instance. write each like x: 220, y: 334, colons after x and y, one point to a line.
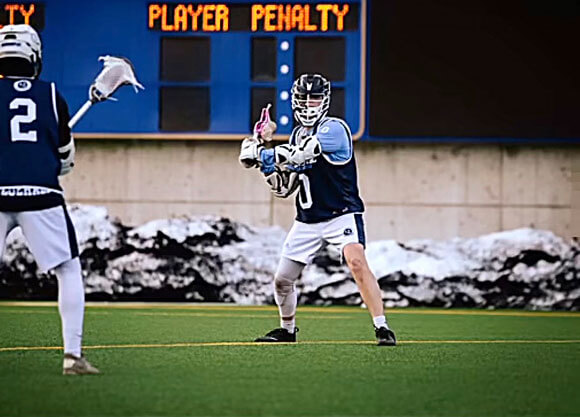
x: 36, y: 147
x: 319, y: 162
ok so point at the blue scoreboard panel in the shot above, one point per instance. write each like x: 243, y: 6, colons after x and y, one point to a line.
x: 421, y: 70
x: 208, y: 67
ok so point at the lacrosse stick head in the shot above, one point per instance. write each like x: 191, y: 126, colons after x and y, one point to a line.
x: 117, y: 71
x: 265, y: 127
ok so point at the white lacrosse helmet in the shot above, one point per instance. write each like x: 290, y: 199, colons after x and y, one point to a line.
x: 20, y: 44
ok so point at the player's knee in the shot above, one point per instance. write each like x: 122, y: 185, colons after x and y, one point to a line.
x: 355, y: 258
x: 357, y: 265
x: 283, y: 286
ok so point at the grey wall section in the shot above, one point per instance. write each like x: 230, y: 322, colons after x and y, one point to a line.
x: 411, y: 191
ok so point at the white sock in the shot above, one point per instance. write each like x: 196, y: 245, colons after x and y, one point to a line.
x: 71, y: 304
x: 380, y: 321
x: 286, y: 298
x: 289, y: 325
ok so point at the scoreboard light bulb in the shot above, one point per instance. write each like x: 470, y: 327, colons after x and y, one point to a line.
x: 284, y: 95
x: 284, y: 69
x: 284, y: 45
x: 284, y: 120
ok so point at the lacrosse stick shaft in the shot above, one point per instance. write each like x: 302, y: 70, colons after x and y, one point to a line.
x: 80, y: 113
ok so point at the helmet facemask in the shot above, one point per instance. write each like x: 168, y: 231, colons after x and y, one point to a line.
x: 20, y: 51
x: 310, y: 99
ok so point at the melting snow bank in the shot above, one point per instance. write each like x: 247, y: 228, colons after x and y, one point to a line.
x: 215, y: 259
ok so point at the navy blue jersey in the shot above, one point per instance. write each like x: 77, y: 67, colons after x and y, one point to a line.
x: 33, y: 125
x: 330, y: 187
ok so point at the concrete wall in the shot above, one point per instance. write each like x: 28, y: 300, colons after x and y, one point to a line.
x: 411, y: 191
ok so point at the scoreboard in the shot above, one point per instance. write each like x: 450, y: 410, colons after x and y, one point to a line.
x: 207, y: 67
x: 421, y: 70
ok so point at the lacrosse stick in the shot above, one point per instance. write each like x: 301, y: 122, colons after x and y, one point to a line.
x: 265, y: 127
x: 117, y: 71
x: 251, y: 146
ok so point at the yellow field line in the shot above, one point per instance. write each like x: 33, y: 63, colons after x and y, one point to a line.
x: 308, y: 342
x: 330, y: 310
x: 176, y: 314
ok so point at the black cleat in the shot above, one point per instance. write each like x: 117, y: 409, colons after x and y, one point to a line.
x: 278, y: 335
x: 385, y: 337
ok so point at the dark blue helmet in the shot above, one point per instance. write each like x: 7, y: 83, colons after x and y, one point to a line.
x: 310, y: 98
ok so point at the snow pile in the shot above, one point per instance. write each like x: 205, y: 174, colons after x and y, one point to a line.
x: 215, y: 259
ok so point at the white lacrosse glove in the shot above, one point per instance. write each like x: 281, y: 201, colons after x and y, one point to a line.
x: 250, y: 152
x: 298, y: 155
x: 282, y: 183
x: 67, y: 157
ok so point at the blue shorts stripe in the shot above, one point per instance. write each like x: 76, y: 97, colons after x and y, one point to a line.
x: 360, y: 228
x: 72, y: 237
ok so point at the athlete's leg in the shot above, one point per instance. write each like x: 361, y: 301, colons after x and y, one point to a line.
x: 347, y: 233
x: 71, y: 304
x: 285, y: 292
x: 52, y: 240
x: 366, y: 281
x: 370, y: 292
x: 302, y: 242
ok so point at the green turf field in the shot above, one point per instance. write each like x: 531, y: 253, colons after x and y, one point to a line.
x: 192, y: 360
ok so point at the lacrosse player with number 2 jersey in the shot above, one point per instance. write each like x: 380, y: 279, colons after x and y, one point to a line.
x: 319, y: 161
x: 36, y: 146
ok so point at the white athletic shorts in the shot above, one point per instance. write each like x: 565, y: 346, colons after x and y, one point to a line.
x: 305, y: 239
x: 49, y: 233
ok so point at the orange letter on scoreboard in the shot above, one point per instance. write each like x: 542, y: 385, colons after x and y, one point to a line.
x: 222, y: 18
x: 340, y: 16
x: 26, y: 14
x: 284, y: 18
x: 307, y: 26
x: 194, y: 15
x: 257, y: 14
x: 297, y: 17
x: 208, y: 13
x: 324, y: 9
x: 11, y: 8
x: 154, y: 13
x: 270, y: 14
x: 180, y: 18
x: 164, y: 26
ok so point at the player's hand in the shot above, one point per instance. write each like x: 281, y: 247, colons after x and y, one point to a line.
x: 282, y: 183
x: 250, y: 152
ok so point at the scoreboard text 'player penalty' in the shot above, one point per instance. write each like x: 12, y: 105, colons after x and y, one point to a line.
x: 171, y: 17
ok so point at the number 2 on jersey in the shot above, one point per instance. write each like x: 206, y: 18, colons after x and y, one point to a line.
x: 16, y: 122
